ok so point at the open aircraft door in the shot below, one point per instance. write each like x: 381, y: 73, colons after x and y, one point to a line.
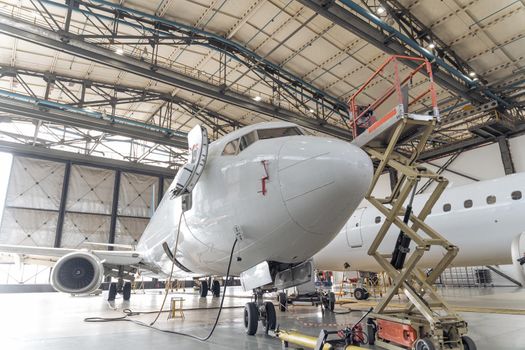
x: 188, y: 176
x: 353, y: 229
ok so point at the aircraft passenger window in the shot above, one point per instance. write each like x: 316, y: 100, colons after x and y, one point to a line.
x: 516, y: 195
x: 467, y: 203
x: 378, y: 219
x: 231, y: 148
x: 447, y: 207
x: 491, y: 199
x: 278, y: 132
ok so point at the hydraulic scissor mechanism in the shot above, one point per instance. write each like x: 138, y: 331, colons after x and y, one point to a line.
x: 395, y: 140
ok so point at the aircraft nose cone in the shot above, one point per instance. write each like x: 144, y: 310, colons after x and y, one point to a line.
x: 322, y: 181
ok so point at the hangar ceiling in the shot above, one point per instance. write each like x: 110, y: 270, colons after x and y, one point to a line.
x: 128, y: 79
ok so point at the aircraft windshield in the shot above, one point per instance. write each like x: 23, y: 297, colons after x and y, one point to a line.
x: 238, y: 145
x: 278, y: 132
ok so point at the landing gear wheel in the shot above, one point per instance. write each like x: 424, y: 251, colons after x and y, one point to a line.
x: 271, y: 318
x: 361, y: 293
x: 251, y: 318
x: 112, y: 291
x: 331, y: 301
x: 468, y: 343
x: 216, y: 288
x: 283, y: 301
x: 424, y: 344
x: 126, y: 291
x: 203, y: 289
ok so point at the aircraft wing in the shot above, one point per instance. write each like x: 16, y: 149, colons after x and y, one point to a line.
x: 51, y: 255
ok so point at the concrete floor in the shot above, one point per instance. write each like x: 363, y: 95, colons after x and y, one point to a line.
x: 55, y: 321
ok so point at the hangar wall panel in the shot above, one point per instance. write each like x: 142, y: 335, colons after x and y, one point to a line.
x: 35, y: 183
x: 82, y: 228
x: 28, y: 227
x: 32, y: 201
x: 135, y: 195
x: 517, y: 149
x: 90, y: 190
x: 129, y: 230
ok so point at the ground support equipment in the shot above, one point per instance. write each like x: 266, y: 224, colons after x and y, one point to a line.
x: 395, y: 141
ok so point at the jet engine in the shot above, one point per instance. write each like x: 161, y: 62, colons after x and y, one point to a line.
x: 77, y: 273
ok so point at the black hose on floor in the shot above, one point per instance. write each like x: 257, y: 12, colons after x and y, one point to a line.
x: 129, y: 313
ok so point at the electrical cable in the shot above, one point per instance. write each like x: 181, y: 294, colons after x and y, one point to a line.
x: 172, y: 268
x: 129, y: 313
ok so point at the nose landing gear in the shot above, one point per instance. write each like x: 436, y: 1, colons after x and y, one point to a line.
x: 259, y: 310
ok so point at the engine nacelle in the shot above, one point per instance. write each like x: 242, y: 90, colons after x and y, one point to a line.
x: 77, y: 273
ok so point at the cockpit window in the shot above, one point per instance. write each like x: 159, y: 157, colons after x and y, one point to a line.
x: 238, y: 145
x: 231, y: 148
x: 247, y: 140
x: 278, y: 132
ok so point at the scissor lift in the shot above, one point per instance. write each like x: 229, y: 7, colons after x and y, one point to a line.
x: 383, y: 129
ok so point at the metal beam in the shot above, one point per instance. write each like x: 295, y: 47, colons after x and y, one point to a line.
x: 391, y: 41
x: 62, y: 206
x: 20, y: 105
x: 506, y: 156
x: 108, y: 94
x: 114, y: 208
x: 76, y: 47
x: 467, y: 144
x: 504, y: 275
x: 25, y: 150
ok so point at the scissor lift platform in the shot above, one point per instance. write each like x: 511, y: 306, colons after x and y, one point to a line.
x: 427, y: 322
x: 381, y: 132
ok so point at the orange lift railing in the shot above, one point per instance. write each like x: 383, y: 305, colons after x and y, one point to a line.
x: 396, y: 98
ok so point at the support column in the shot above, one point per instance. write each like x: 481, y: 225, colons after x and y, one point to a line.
x: 114, y: 209
x: 62, y: 206
x: 506, y: 156
x: 160, y: 192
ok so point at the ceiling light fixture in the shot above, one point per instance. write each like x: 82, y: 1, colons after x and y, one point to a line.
x: 380, y: 10
x: 119, y: 51
x: 472, y: 74
x: 257, y: 98
x: 431, y: 46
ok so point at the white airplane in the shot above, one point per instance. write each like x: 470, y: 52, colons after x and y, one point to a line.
x: 484, y: 219
x: 281, y: 194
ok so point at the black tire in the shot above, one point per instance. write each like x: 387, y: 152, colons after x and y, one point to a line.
x: 216, y: 288
x: 112, y: 291
x: 359, y: 293
x: 424, y: 344
x: 126, y: 291
x: 468, y: 343
x: 331, y: 301
x: 283, y: 301
x: 251, y: 318
x: 271, y: 317
x: 367, y: 295
x: 204, y: 289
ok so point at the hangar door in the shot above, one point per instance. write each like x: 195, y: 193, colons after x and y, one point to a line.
x: 353, y: 229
